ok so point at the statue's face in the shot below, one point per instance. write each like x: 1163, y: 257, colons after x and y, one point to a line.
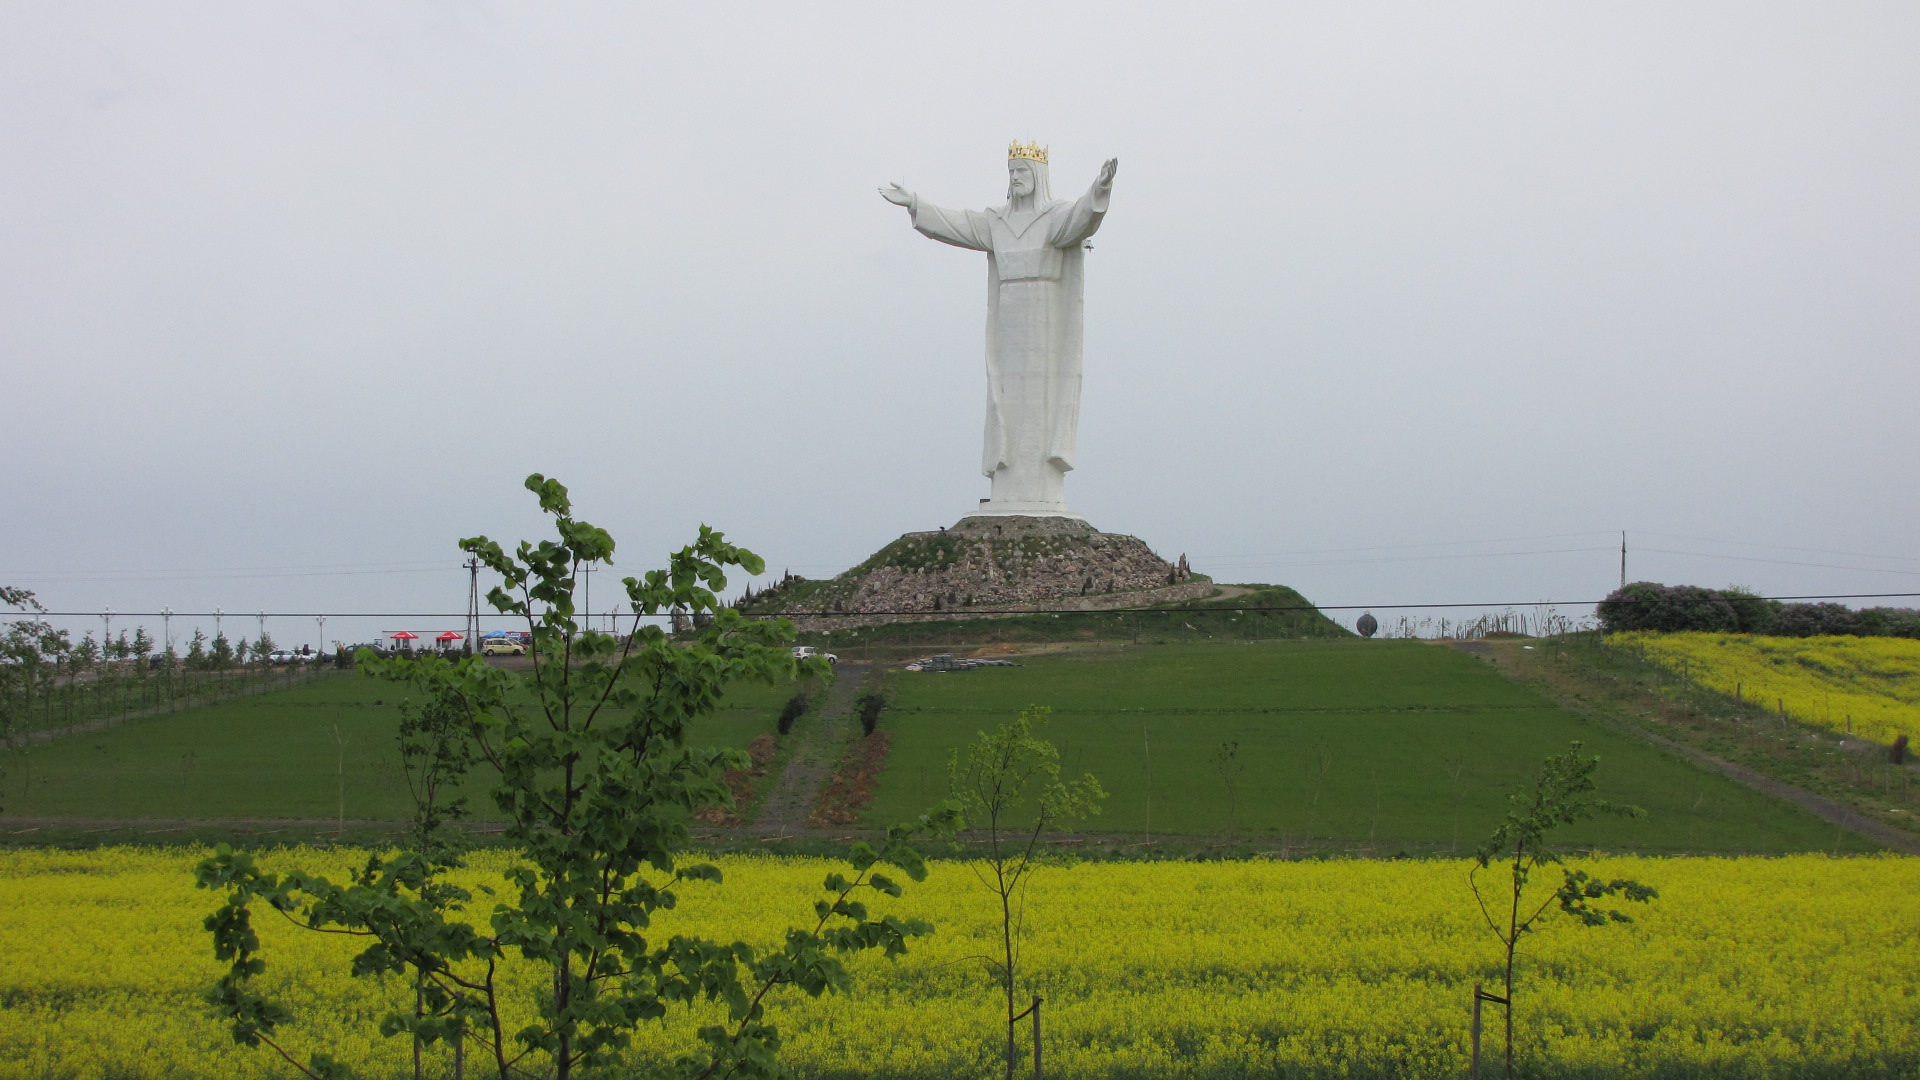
x: 1020, y: 176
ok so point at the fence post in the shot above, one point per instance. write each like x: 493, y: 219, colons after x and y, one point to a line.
x: 1036, y: 1037
x: 1475, y: 1070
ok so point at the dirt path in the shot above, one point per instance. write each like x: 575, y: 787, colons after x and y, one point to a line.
x: 1827, y: 810
x: 818, y: 739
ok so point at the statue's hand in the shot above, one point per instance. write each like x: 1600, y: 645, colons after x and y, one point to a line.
x: 1104, y: 182
x: 897, y: 195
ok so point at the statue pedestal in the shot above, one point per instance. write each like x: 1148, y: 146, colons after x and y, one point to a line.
x: 988, y: 564
x: 991, y: 508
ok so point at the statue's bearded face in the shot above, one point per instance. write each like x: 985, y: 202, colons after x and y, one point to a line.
x: 1020, y: 176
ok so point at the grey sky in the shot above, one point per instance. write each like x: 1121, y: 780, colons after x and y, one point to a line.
x: 308, y: 289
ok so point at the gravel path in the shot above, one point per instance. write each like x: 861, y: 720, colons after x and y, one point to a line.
x: 818, y: 740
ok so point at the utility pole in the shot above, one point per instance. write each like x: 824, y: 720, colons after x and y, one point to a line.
x: 1623, y: 558
x: 322, y: 621
x: 586, y: 604
x: 263, y: 627
x: 217, y: 613
x: 166, y: 624
x: 473, y: 604
x: 106, y: 629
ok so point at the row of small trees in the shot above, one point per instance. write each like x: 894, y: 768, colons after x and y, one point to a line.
x: 32, y: 647
x: 1648, y: 605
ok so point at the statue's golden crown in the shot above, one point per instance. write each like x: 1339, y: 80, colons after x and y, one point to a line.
x: 1033, y: 151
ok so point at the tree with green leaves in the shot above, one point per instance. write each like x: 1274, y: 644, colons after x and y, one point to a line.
x: 197, y: 654
x: 32, y: 653
x: 589, y: 765
x: 85, y: 655
x: 436, y: 753
x: 1560, y: 795
x: 1007, y: 783
x: 220, y: 654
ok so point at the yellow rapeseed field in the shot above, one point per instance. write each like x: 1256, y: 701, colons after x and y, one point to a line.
x: 1799, y: 966
x: 1872, y: 682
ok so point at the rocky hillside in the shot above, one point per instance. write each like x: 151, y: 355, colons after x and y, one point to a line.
x: 987, y: 563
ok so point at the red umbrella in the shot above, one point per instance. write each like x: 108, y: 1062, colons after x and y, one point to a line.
x: 450, y: 636
x: 404, y: 635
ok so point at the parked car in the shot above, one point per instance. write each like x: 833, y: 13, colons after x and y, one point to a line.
x: 285, y: 656
x: 807, y: 652
x: 503, y: 647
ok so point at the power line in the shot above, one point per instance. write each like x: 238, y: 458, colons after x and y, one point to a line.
x: 1780, y: 547
x: 207, y: 575
x: 1217, y: 607
x: 1405, y: 547
x: 1786, y: 562
x: 1217, y: 562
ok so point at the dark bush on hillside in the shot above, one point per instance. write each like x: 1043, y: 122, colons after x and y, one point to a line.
x: 1815, y: 620
x: 1648, y: 605
x: 794, y: 709
x: 870, y: 706
x: 1890, y: 622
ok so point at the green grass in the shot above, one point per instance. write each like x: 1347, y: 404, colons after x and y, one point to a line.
x: 1381, y: 746
x: 295, y: 753
x: 1377, y: 747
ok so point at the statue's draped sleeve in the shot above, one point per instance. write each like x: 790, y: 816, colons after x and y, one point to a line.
x: 961, y: 228
x: 1081, y: 220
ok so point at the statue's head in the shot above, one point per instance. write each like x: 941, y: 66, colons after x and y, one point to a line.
x: 1027, y: 173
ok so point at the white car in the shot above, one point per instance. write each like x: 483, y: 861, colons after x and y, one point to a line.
x: 808, y: 652
x: 285, y: 656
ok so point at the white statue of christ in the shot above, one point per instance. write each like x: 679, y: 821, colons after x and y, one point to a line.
x: 1036, y: 259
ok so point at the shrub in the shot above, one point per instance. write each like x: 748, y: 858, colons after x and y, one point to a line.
x: 1891, y: 622
x: 1817, y: 620
x: 870, y: 706
x: 873, y: 699
x: 1648, y: 605
x: 794, y: 709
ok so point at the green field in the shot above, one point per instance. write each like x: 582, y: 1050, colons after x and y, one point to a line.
x: 1364, y: 746
x: 1345, y: 746
x: 322, y: 749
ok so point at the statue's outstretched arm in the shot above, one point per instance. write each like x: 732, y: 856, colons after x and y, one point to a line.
x: 1083, y: 220
x: 961, y: 228
x: 1103, y: 184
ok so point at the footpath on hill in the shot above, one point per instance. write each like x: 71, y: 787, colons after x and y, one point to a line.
x: 1571, y: 691
x: 818, y: 738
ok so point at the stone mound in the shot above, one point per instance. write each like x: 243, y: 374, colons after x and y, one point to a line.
x: 984, y: 564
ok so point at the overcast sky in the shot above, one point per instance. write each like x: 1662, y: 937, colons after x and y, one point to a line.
x: 1414, y: 303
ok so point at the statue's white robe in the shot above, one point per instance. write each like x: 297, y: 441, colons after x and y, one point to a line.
x: 1035, y: 298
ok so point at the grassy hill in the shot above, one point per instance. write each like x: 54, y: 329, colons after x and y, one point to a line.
x: 1370, y: 747
x: 1374, y: 746
x: 322, y: 749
